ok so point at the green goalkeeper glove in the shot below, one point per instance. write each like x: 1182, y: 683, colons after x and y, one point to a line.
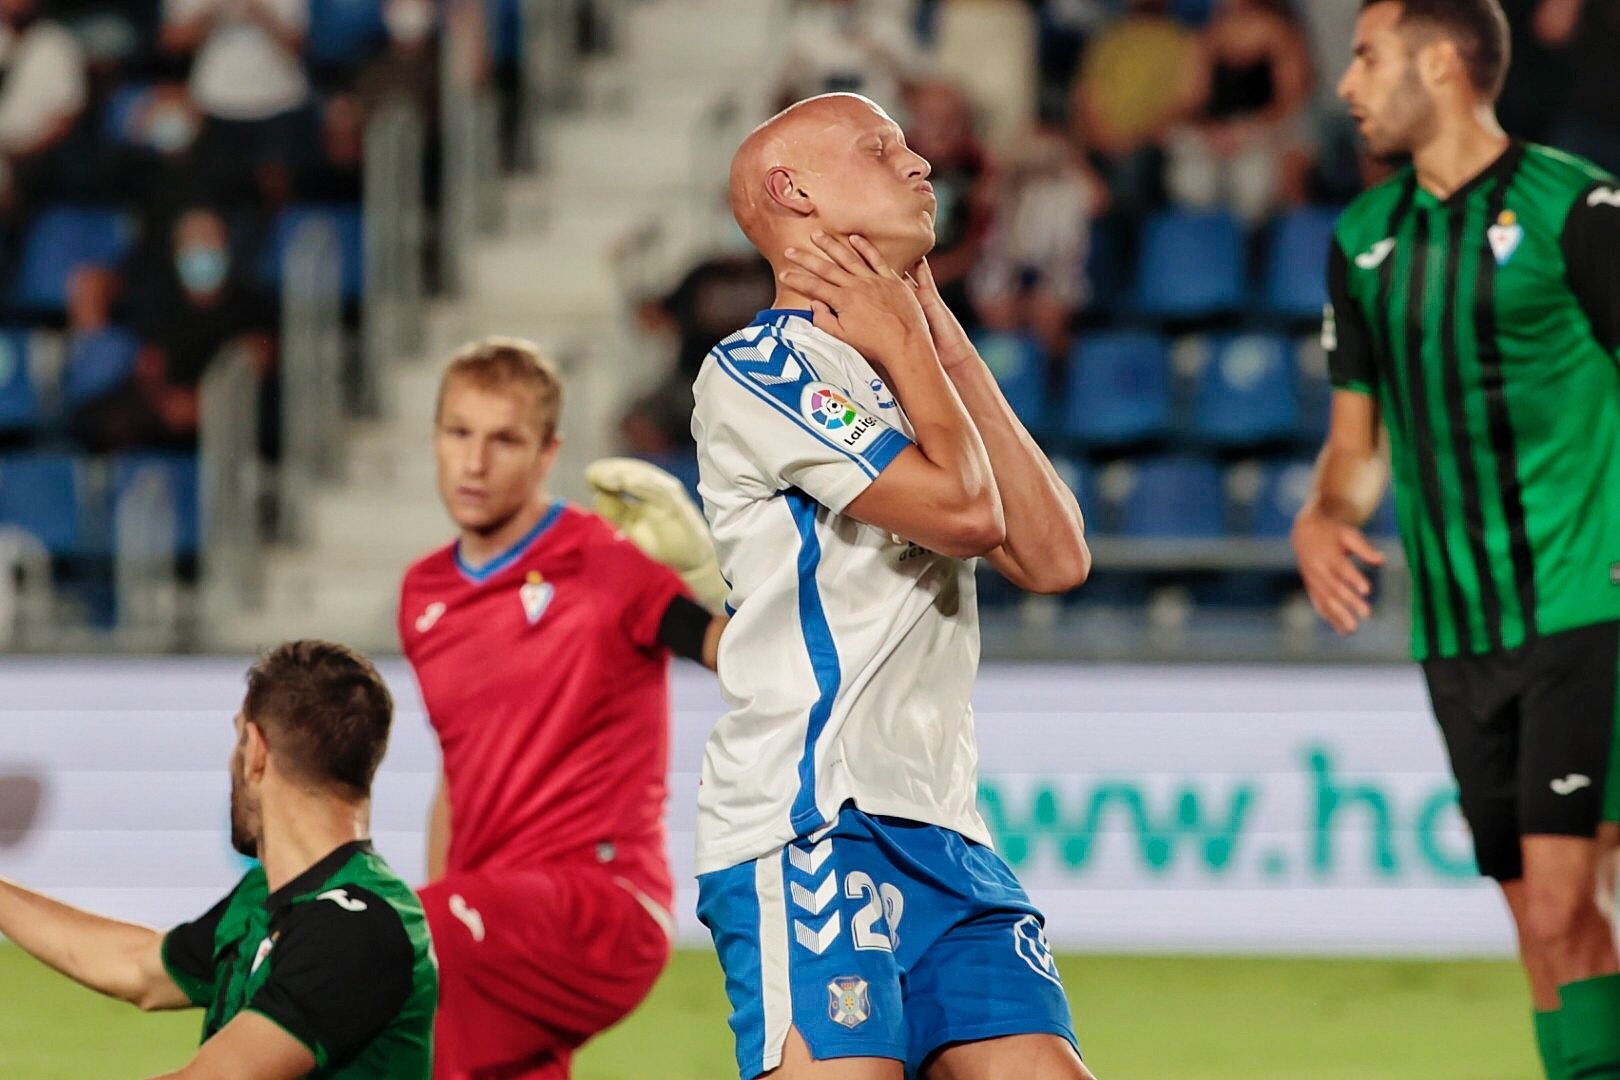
x: 654, y: 511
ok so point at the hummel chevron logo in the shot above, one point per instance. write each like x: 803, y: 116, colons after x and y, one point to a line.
x: 1604, y: 197
x: 1569, y: 785
x: 1376, y: 254
x: 818, y: 940
x: 813, y: 902
x: 809, y: 860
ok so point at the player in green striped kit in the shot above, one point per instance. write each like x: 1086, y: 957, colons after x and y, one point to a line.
x: 1474, y: 330
x: 318, y: 963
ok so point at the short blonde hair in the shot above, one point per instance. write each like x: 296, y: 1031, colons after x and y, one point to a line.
x: 498, y: 363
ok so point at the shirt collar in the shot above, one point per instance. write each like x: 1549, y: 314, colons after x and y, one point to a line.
x: 778, y: 315
x: 316, y: 875
x: 480, y: 574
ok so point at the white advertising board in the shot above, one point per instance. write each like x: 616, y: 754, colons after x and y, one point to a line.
x: 1148, y: 808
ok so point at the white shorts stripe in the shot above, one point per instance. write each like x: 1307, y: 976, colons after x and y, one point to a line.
x: 775, y: 989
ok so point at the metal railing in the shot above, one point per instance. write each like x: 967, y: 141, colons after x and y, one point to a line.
x: 231, y: 483
x: 27, y: 596
x: 146, y: 543
x: 469, y: 194
x: 395, y: 228
x: 311, y: 372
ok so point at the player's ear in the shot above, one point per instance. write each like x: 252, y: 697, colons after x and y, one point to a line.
x: 785, y: 192
x: 255, y: 751
x: 1438, y: 63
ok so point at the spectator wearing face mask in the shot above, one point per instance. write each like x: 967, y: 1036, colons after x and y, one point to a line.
x: 249, y: 80
x: 407, y: 70
x: 187, y: 301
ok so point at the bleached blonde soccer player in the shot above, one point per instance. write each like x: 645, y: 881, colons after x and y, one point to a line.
x: 856, y: 458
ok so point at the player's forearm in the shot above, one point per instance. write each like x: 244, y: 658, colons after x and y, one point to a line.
x: 104, y: 954
x: 940, y: 423
x: 438, y: 852
x: 1046, y: 537
x: 1348, y: 485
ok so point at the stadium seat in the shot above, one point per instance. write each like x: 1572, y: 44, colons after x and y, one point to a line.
x: 1248, y: 391
x: 1118, y: 389
x: 19, y: 402
x: 98, y: 363
x: 180, y: 472
x: 1104, y: 268
x: 1295, y: 285
x: 1167, y: 497
x: 1283, y: 487
x: 348, y: 222
x: 60, y: 240
x: 342, y: 33
x: 1190, y: 265
x: 1019, y: 364
x: 40, y: 493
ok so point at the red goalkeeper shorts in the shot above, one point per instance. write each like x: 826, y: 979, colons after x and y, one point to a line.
x: 533, y: 963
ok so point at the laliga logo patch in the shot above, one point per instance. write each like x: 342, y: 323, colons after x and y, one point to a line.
x: 828, y: 408
x: 848, y: 1005
x: 536, y: 595
x: 1505, y: 236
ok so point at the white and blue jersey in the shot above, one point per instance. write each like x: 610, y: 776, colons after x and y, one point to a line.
x: 844, y: 870
x: 851, y: 653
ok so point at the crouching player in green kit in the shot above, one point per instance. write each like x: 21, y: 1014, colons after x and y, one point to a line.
x: 318, y: 963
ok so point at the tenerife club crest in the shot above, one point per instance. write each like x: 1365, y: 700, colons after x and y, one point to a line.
x: 848, y: 1004
x: 536, y: 595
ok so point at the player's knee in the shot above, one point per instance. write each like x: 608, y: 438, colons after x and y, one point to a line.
x: 1557, y: 912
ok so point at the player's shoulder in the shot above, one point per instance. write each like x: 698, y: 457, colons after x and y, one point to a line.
x: 434, y: 564
x: 1557, y: 183
x: 1366, y: 219
x: 779, y: 348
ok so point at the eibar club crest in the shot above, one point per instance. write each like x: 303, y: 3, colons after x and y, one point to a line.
x: 1504, y: 236
x: 849, y: 1005
x: 536, y: 594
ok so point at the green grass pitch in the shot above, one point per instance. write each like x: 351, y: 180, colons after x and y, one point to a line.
x: 1154, y: 1018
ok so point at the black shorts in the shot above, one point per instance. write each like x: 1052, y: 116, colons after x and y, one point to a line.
x: 1530, y: 733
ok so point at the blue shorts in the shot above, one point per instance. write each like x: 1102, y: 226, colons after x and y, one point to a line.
x: 879, y: 937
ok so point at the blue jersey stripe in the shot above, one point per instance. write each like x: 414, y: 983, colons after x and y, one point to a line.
x: 480, y: 574
x: 818, y: 642
x: 791, y: 412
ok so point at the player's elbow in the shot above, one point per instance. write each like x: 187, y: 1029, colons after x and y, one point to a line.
x: 1064, y: 569
x: 976, y: 529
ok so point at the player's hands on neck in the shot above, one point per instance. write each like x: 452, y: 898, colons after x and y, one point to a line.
x: 857, y: 296
x: 1460, y: 151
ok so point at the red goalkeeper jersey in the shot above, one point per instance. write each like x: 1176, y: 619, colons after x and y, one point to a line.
x: 544, y: 678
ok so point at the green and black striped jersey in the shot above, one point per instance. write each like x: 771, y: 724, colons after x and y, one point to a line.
x: 1487, y: 325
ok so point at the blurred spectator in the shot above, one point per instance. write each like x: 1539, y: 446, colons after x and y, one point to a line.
x: 1032, y: 275
x: 988, y: 49
x: 1140, y: 76
x: 248, y: 78
x: 1065, y: 26
x: 1330, y: 30
x: 715, y: 298
x: 941, y: 130
x: 160, y: 136
x: 408, y: 68
x: 1537, y: 79
x: 188, y: 301
x: 43, y: 89
x: 1589, y: 124
x: 1247, y: 128
x: 847, y: 45
x: 333, y: 174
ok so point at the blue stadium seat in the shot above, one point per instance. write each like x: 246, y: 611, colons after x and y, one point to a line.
x: 348, y: 222
x: 1171, y: 497
x: 1248, y: 391
x: 41, y: 493
x: 1295, y: 284
x: 19, y: 402
x: 98, y: 363
x: 60, y: 240
x: 342, y: 33
x: 1019, y: 364
x: 180, y: 472
x: 1283, y: 486
x: 118, y: 115
x: 1103, y: 269
x: 1190, y: 264
x: 1119, y: 389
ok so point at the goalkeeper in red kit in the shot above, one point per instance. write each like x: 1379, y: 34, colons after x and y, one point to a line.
x: 540, y: 639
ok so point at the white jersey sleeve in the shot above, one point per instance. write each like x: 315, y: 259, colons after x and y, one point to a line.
x: 773, y: 418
